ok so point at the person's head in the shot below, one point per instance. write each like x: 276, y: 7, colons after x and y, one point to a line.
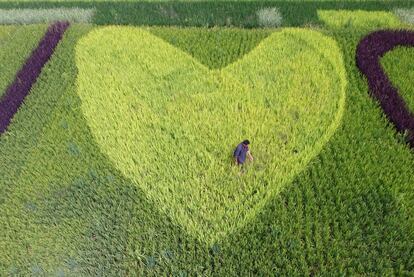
x: 246, y: 142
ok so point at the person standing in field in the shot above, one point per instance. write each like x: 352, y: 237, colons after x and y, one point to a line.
x: 241, y: 152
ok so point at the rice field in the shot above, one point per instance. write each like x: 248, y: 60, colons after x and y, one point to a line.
x: 119, y: 159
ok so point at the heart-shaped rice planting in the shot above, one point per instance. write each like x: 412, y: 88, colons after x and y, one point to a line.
x: 169, y: 124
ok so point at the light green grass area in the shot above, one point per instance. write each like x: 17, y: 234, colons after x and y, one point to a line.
x: 31, y: 16
x: 399, y: 66
x: 358, y: 19
x: 16, y: 45
x: 67, y: 210
x: 169, y: 124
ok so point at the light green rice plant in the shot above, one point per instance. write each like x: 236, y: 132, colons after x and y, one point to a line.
x: 170, y: 124
x: 358, y: 19
x: 30, y: 16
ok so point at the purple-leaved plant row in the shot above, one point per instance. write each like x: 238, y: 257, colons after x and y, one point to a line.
x: 369, y: 52
x: 26, y: 77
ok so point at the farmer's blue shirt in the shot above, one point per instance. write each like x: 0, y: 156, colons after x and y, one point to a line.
x: 240, y: 153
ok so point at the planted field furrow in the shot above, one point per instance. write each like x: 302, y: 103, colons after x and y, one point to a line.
x: 26, y: 77
x: 368, y: 55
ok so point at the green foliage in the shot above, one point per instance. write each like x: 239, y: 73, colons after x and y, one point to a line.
x: 159, y: 116
x: 358, y: 19
x: 16, y: 45
x: 400, y: 69
x: 30, y: 16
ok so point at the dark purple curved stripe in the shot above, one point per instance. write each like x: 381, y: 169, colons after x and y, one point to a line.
x: 369, y: 52
x: 26, y: 77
